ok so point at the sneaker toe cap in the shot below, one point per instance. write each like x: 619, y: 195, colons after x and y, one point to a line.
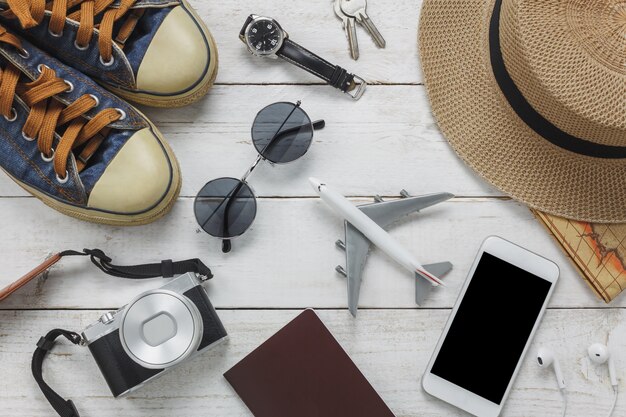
x: 141, y: 178
x: 179, y: 57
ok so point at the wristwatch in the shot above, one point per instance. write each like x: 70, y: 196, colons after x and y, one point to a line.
x: 264, y: 37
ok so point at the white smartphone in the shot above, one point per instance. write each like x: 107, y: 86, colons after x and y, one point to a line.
x: 490, y: 328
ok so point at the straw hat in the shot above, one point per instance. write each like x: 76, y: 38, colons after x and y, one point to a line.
x: 532, y: 95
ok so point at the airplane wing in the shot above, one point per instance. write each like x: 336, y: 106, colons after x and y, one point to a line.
x: 388, y: 212
x: 357, y: 245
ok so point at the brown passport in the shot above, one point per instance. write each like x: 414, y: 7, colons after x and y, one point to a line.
x: 302, y: 371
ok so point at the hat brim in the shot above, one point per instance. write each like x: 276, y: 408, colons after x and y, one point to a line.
x: 487, y: 134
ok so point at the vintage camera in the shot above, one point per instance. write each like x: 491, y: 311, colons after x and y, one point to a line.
x: 157, y: 330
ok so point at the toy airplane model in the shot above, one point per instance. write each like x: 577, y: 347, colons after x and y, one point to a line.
x: 364, y: 226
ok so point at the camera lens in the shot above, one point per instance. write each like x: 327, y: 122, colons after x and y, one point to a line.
x: 160, y: 329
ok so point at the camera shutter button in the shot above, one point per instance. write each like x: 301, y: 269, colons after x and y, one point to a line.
x: 107, y: 318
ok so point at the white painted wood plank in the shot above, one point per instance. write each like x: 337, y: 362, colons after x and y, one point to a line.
x: 313, y: 25
x: 384, y: 142
x: 378, y: 145
x: 287, y: 259
x: 390, y: 347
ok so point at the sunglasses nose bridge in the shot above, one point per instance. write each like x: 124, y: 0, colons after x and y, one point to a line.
x: 259, y: 158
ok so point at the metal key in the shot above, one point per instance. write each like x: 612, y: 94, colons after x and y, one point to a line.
x: 358, y: 10
x: 349, y: 26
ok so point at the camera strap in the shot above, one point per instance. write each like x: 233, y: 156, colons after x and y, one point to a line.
x: 65, y: 408
x: 166, y: 269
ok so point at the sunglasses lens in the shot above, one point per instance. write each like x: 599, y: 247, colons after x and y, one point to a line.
x: 282, y: 132
x: 225, y: 207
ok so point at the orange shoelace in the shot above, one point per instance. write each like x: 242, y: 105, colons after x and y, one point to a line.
x: 47, y: 114
x: 30, y: 13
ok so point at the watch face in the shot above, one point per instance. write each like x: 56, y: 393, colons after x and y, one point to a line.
x: 264, y: 36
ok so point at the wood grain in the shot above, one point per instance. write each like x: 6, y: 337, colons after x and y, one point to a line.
x: 285, y: 260
x: 391, y: 347
x: 313, y: 25
x: 385, y: 142
x: 364, y: 148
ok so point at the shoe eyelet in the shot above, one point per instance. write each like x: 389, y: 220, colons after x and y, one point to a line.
x: 70, y: 86
x: 108, y: 63
x: 26, y: 137
x: 13, y: 115
x: 40, y: 67
x: 80, y: 48
x: 63, y: 180
x: 56, y: 35
x: 24, y: 53
x: 122, y: 113
x: 96, y: 99
x: 47, y: 159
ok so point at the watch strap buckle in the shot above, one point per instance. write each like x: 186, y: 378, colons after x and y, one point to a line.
x: 360, y: 85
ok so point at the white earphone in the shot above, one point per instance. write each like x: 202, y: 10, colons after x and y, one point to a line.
x: 599, y: 354
x: 545, y: 358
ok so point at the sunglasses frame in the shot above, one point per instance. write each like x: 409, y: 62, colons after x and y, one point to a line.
x: 315, y: 125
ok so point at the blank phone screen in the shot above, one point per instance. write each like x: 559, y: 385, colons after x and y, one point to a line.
x: 491, y: 327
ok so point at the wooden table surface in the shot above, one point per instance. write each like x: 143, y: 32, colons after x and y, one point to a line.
x: 381, y: 144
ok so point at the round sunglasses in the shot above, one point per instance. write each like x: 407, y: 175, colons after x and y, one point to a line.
x: 226, y: 207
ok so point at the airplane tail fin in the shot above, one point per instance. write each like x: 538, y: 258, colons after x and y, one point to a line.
x: 429, y: 277
x: 422, y: 287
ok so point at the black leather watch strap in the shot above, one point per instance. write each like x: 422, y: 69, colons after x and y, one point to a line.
x: 242, y: 33
x: 334, y: 75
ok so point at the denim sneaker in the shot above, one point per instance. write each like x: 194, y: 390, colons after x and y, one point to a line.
x: 77, y: 147
x: 153, y: 52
